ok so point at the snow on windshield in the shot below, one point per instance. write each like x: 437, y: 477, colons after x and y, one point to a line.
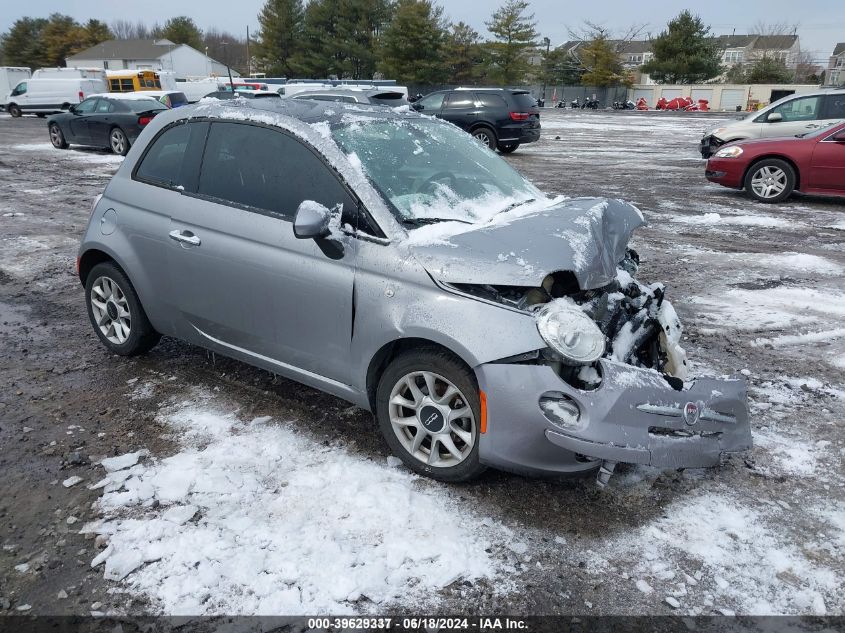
x: 430, y: 171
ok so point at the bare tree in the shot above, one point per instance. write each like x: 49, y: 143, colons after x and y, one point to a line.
x: 774, y: 28
x: 126, y: 30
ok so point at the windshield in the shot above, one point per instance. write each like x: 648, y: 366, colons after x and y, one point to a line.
x: 431, y: 171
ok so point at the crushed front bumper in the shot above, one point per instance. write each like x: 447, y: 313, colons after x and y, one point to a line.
x: 634, y: 416
x: 709, y: 145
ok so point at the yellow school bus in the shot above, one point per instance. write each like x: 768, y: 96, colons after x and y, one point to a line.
x: 133, y: 80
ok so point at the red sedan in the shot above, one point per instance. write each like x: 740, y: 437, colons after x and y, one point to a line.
x: 771, y: 169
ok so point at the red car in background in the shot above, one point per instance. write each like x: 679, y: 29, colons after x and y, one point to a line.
x: 771, y: 169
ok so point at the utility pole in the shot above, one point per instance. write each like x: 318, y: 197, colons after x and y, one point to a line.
x: 547, y: 42
x: 225, y: 45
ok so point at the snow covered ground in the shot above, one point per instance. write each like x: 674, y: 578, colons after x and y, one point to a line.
x: 244, y: 494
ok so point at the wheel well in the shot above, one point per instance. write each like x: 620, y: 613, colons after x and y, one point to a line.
x: 90, y: 259
x: 788, y: 161
x: 388, y: 352
x: 475, y: 126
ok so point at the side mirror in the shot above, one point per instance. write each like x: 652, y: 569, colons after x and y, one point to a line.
x: 418, y: 106
x: 774, y: 117
x: 311, y: 221
x: 72, y: 109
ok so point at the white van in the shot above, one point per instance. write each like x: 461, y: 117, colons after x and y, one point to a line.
x: 68, y: 73
x: 196, y: 89
x: 11, y: 76
x: 45, y: 96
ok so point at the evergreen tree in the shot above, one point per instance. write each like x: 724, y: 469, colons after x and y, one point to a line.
x: 514, y: 35
x: 23, y: 44
x: 280, y: 40
x: 62, y: 36
x: 412, y: 45
x: 182, y: 30
x: 462, y: 54
x: 768, y: 70
x: 95, y: 32
x: 601, y: 62
x: 684, y: 53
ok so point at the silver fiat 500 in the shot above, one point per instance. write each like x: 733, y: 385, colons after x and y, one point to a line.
x: 389, y: 259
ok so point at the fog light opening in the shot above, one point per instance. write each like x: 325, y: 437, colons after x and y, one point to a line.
x: 560, y: 410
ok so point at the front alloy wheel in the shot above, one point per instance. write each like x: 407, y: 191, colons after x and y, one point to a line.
x: 428, y: 408
x: 118, y: 142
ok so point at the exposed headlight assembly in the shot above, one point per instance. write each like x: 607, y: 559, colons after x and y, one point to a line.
x: 570, y: 333
x: 729, y: 152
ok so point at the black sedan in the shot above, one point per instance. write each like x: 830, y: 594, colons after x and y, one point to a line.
x: 104, y: 121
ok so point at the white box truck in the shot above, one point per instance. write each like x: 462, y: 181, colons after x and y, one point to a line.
x: 45, y: 96
x: 11, y: 76
x: 67, y: 73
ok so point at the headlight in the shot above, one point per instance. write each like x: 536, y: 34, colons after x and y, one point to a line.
x: 569, y: 332
x: 729, y: 152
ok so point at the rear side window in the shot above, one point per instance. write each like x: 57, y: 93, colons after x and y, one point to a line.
x: 524, y: 101
x: 104, y: 107
x: 168, y: 163
x: 834, y: 107
x: 267, y: 170
x: 489, y: 100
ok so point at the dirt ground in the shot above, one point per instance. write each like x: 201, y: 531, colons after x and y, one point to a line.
x: 760, y: 289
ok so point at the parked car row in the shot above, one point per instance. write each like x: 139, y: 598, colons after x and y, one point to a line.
x: 796, y: 144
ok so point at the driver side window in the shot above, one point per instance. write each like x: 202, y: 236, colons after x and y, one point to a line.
x: 802, y: 109
x: 87, y: 106
x: 19, y: 89
x: 432, y: 102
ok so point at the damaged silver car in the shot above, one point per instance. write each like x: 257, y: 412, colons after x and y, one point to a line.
x: 389, y: 259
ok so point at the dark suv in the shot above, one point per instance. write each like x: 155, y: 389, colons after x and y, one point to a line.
x: 498, y: 117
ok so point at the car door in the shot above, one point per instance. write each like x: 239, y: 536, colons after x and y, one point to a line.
x: 796, y: 116
x: 460, y: 108
x: 827, y: 165
x: 430, y: 104
x: 79, y: 120
x: 100, y: 122
x: 242, y: 281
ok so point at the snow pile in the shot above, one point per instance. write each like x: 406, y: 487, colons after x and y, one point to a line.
x: 253, y: 518
x: 713, y: 552
x: 739, y: 220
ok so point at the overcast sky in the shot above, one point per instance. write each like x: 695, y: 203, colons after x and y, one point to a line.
x: 821, y: 23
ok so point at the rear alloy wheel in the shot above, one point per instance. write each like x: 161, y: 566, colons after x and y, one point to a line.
x: 485, y: 136
x: 770, y: 180
x: 429, y: 411
x: 508, y: 148
x: 56, y: 137
x: 116, y: 313
x: 118, y: 142
x: 15, y: 110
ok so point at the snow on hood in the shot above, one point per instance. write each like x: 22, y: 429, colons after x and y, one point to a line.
x: 587, y: 236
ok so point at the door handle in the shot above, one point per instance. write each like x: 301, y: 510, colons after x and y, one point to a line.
x: 812, y: 126
x: 186, y: 237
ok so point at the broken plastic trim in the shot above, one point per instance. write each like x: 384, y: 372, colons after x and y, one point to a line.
x: 678, y: 411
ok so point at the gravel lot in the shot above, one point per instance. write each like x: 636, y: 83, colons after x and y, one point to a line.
x: 760, y: 288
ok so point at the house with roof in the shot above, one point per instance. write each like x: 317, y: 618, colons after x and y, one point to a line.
x: 161, y: 54
x: 836, y: 67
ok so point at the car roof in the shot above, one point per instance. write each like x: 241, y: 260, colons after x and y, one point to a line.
x: 282, y: 111
x: 125, y: 96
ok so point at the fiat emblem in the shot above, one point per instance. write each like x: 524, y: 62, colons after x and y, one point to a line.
x: 692, y: 411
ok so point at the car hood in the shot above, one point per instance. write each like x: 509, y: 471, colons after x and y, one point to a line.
x: 587, y: 236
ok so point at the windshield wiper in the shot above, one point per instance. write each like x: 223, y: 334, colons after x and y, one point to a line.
x: 425, y: 221
x: 514, y: 205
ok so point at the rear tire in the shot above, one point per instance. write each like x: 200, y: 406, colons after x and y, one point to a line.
x: 770, y: 180
x: 454, y: 406
x: 508, y: 148
x: 15, y: 110
x: 115, y: 312
x: 57, y: 138
x: 485, y: 136
x: 118, y: 143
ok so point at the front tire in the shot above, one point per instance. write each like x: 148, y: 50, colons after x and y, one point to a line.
x: 429, y: 411
x: 485, y: 136
x: 118, y: 142
x: 15, y: 111
x: 508, y: 148
x: 57, y: 138
x: 770, y: 180
x: 116, y: 313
